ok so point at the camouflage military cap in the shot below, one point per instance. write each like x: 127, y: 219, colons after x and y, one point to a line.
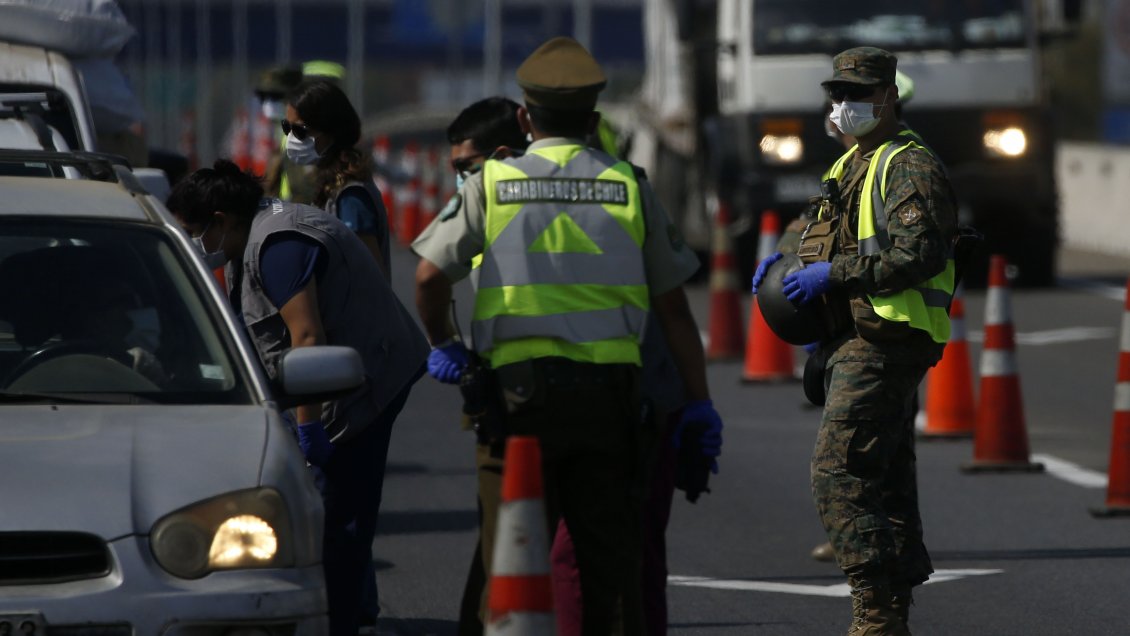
x: 279, y: 80
x: 863, y: 65
x: 561, y: 74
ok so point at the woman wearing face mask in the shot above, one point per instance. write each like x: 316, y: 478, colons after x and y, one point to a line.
x: 322, y: 129
x: 299, y: 277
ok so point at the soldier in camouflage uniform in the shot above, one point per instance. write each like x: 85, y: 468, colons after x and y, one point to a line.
x: 885, y: 276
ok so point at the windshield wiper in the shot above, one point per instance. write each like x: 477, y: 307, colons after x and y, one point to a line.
x: 20, y: 397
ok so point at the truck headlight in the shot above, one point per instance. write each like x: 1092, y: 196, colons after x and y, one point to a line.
x: 245, y: 529
x: 782, y: 149
x: 1005, y: 142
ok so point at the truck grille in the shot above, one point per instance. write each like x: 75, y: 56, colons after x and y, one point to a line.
x: 36, y: 558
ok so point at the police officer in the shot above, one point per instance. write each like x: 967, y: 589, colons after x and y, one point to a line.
x: 879, y: 262
x: 300, y: 277
x: 575, y: 251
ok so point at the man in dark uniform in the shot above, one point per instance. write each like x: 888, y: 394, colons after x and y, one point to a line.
x: 879, y: 259
x: 575, y: 252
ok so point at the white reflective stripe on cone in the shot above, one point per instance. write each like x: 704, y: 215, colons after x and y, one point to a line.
x: 957, y: 329
x: 1124, y: 340
x: 997, y: 363
x: 1122, y: 396
x: 521, y: 547
x: 766, y: 245
x: 523, y: 624
x: 998, y: 310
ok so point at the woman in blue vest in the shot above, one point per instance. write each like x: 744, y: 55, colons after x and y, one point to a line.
x: 323, y: 129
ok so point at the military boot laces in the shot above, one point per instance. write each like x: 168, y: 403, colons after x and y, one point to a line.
x: 873, y: 612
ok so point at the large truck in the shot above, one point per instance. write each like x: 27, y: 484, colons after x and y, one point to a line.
x: 979, y: 101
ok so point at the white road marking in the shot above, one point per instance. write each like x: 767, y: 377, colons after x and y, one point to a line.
x: 838, y: 590
x: 1055, y: 336
x: 1072, y: 473
x: 1114, y: 292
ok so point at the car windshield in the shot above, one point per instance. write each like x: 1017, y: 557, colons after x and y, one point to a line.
x: 786, y: 27
x: 108, y: 311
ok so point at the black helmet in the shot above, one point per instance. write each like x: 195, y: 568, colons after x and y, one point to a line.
x: 795, y: 325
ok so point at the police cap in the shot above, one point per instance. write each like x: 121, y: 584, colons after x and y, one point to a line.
x: 278, y: 81
x: 561, y: 74
x: 863, y: 65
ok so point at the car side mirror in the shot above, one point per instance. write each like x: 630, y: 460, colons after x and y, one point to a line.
x: 318, y: 374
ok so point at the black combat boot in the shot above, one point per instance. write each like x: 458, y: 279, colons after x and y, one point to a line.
x: 873, y: 612
x: 901, y: 599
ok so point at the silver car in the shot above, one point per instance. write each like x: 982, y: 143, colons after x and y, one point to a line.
x: 150, y: 484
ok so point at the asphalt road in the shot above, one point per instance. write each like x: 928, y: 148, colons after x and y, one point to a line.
x: 1014, y: 553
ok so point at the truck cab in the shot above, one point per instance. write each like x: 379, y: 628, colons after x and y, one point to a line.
x: 979, y: 103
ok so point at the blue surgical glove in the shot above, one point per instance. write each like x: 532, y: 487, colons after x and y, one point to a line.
x: 805, y: 285
x: 811, y: 347
x: 446, y: 362
x: 701, y: 414
x: 315, y: 443
x: 766, y: 263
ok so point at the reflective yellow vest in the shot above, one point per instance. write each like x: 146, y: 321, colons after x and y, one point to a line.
x: 562, y: 272
x: 924, y: 306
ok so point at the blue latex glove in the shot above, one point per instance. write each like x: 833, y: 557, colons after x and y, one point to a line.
x: 702, y: 412
x: 805, y: 285
x: 811, y: 347
x: 446, y: 363
x: 763, y: 267
x: 315, y: 443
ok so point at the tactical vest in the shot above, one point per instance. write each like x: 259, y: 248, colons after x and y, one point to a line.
x: 382, y: 215
x: 357, y: 306
x: 925, y: 306
x: 562, y: 271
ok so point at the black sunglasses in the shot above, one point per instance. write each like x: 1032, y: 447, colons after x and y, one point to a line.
x: 849, y: 92
x: 300, y: 130
x: 465, y: 165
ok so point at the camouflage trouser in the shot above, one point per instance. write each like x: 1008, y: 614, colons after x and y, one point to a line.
x: 863, y: 471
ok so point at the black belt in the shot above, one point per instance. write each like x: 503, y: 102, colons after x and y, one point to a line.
x: 559, y: 372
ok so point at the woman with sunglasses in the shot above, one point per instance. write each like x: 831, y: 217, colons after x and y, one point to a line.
x: 322, y: 128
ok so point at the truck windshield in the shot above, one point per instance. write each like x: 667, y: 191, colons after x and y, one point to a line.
x: 789, y: 27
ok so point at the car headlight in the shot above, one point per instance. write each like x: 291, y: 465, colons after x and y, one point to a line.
x: 782, y: 149
x: 1005, y: 142
x: 245, y: 529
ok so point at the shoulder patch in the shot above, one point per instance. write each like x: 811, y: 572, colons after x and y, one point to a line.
x: 449, y: 210
x: 909, y: 216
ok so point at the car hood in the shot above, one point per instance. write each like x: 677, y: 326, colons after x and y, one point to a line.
x: 115, y: 470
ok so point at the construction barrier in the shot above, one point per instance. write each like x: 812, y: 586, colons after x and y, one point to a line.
x: 725, y: 341
x: 767, y: 357
x: 1000, y: 440
x: 1118, y: 476
x: 521, y: 596
x: 950, y: 412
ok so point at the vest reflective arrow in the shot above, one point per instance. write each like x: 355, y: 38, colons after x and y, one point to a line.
x: 562, y: 271
x: 925, y: 306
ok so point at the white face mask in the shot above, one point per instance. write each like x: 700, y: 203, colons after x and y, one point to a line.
x: 146, y: 331
x: 855, y: 118
x: 212, y: 260
x: 302, y: 151
x: 273, y: 109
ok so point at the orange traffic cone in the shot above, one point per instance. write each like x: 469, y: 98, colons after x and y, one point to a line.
x: 1118, y: 477
x: 949, y: 385
x: 262, y: 145
x: 408, y: 205
x: 241, y: 140
x: 521, y: 588
x: 725, y: 330
x: 1000, y: 440
x: 767, y: 357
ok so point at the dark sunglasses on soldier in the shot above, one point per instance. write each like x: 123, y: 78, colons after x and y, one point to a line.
x: 300, y: 130
x: 849, y: 92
